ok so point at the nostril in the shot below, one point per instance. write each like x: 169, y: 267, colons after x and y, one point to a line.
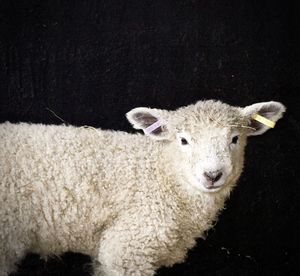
x: 207, y: 176
x: 213, y: 176
x: 219, y: 175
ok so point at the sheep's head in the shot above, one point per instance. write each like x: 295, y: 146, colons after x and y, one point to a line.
x: 205, y: 142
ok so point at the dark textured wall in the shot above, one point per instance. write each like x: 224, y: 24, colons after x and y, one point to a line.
x: 92, y: 61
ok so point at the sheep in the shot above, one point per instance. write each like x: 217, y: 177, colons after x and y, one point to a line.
x: 132, y: 202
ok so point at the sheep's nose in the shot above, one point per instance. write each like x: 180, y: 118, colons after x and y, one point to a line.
x: 213, y: 176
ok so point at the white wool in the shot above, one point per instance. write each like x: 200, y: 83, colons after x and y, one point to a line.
x: 132, y: 202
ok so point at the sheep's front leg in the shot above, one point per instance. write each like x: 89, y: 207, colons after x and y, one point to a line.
x: 120, y: 257
x: 129, y: 251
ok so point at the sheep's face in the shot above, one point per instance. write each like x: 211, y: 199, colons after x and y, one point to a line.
x: 210, y: 158
x: 206, y: 141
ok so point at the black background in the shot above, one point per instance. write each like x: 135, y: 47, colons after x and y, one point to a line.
x: 92, y: 61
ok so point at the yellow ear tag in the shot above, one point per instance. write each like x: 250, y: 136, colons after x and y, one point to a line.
x: 263, y: 120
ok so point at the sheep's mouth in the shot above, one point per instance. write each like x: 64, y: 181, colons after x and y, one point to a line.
x: 209, y: 186
x: 212, y: 187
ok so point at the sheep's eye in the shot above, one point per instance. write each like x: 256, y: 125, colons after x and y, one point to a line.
x: 183, y: 141
x: 234, y: 139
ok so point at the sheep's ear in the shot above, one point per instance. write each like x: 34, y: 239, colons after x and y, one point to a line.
x: 151, y: 121
x: 271, y: 110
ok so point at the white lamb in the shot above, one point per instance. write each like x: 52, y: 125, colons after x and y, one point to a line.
x: 132, y: 202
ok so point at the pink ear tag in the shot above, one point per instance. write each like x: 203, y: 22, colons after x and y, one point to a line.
x: 153, y: 127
